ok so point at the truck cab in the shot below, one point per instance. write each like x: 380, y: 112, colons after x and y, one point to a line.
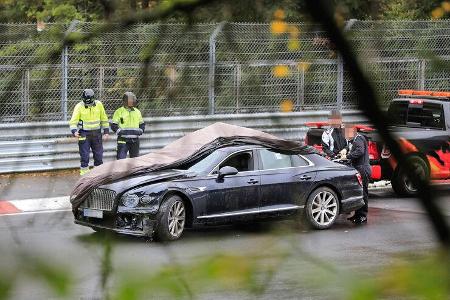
x: 420, y: 122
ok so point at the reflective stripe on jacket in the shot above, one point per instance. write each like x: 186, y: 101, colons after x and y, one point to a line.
x: 128, y: 122
x: 89, y: 118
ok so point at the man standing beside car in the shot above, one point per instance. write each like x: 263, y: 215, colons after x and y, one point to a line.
x: 359, y: 158
x: 333, y: 140
x: 127, y: 122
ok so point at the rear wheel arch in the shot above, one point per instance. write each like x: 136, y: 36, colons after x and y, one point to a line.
x: 330, y: 186
x: 413, y: 155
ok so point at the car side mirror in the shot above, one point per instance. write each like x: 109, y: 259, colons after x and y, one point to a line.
x: 227, y: 171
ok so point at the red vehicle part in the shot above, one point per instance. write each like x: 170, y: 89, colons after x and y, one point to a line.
x: 316, y: 124
x: 437, y: 169
x: 373, y: 150
x: 376, y: 172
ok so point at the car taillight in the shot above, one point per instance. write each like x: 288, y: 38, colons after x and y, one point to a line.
x: 358, y: 176
x: 373, y: 150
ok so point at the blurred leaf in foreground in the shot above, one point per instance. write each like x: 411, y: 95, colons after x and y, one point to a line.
x: 6, y: 285
x: 216, y: 272
x: 422, y: 278
x: 55, y: 276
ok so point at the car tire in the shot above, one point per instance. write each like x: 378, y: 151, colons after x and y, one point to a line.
x: 401, y: 185
x: 322, y: 208
x: 171, y: 219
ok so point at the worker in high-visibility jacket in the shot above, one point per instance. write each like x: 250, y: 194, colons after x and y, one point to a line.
x: 127, y: 122
x: 88, y: 120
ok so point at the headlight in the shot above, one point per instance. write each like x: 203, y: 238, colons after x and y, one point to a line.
x: 146, y: 199
x: 130, y: 200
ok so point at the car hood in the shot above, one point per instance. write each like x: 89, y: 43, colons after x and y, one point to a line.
x: 131, y: 182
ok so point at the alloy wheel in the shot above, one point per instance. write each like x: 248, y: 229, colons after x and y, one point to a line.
x: 324, y: 208
x: 176, y: 219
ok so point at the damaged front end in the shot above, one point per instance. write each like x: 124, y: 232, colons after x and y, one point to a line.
x: 131, y: 214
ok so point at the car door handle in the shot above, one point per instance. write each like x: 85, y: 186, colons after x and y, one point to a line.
x: 252, y: 181
x: 305, y: 177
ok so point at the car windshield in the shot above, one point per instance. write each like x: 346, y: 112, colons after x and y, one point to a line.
x: 205, y: 164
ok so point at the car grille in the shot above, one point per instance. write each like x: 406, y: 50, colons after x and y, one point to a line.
x: 101, y: 199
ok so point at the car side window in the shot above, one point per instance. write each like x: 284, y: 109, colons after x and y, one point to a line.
x: 242, y: 161
x: 274, y: 160
x: 298, y: 161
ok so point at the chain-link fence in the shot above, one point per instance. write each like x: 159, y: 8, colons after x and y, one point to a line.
x: 178, y: 69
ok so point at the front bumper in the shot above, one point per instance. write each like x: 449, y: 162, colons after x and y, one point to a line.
x: 352, y: 203
x: 135, y: 224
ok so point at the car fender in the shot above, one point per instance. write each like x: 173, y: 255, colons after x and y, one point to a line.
x: 183, y: 192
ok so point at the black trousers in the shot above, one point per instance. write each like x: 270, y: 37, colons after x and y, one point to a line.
x: 92, y: 141
x: 127, y: 145
x: 365, y: 176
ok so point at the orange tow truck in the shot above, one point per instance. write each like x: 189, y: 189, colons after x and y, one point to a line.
x: 420, y: 121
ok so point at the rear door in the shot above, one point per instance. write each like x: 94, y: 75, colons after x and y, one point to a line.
x: 285, y: 179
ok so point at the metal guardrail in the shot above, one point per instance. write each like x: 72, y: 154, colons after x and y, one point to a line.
x: 48, y: 146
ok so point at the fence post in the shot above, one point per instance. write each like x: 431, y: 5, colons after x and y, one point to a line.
x: 64, y: 72
x: 300, y: 87
x: 422, y: 66
x: 340, y: 71
x: 237, y: 85
x: 212, y: 67
x: 101, y: 79
x: 340, y: 82
x: 25, y: 93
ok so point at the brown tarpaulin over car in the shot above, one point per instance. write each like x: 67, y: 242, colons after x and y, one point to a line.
x: 187, y: 149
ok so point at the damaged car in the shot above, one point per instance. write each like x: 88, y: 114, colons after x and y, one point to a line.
x: 231, y: 178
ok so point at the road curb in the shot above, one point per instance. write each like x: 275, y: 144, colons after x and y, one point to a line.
x: 13, y: 207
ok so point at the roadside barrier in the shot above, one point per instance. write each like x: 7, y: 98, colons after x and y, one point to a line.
x: 45, y: 146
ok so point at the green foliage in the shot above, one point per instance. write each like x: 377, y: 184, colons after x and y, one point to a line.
x: 400, y: 10
x: 418, y: 278
x: 57, y: 278
x: 233, y: 10
x: 6, y: 284
x: 216, y: 272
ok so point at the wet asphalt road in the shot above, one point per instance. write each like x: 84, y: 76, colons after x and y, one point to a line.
x: 396, y: 227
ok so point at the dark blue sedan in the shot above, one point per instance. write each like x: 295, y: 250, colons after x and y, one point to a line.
x: 231, y: 184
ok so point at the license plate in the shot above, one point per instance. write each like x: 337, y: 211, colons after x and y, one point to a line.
x: 93, y: 213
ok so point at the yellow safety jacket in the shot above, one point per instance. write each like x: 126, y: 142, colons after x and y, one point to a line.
x: 128, y: 122
x: 89, y: 118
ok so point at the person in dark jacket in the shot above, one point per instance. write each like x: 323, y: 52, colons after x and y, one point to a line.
x: 333, y: 139
x: 358, y: 154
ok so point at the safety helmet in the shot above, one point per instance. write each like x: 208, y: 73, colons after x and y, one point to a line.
x: 129, y: 96
x: 88, y: 96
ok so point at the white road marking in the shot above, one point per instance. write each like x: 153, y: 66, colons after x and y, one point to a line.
x: 36, y: 212
x: 32, y: 206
